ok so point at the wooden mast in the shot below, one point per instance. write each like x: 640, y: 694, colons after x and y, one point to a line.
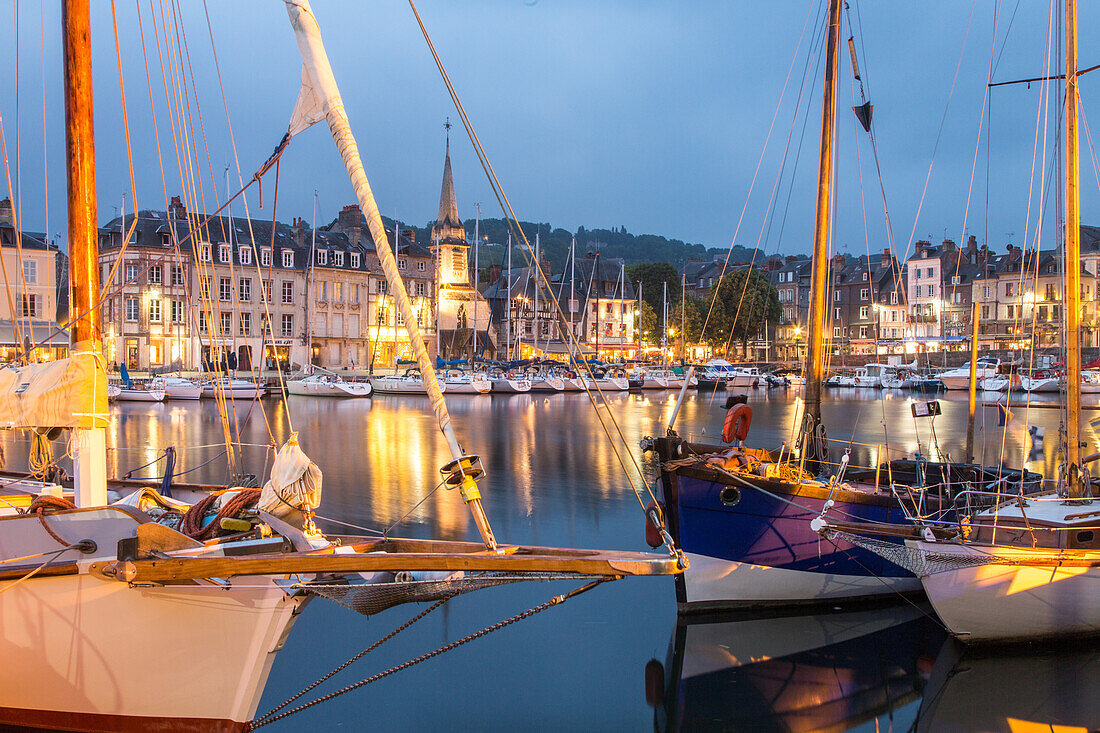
x: 816, y: 344
x: 973, y: 396
x: 89, y: 457
x: 1072, y: 242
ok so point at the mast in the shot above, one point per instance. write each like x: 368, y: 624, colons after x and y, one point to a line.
x: 89, y: 444
x: 683, y: 316
x: 972, y: 405
x: 477, y: 277
x: 508, y: 298
x: 664, y: 327
x: 572, y: 284
x: 536, y: 341
x: 311, y: 291
x: 462, y: 471
x: 815, y: 352
x: 1073, y: 265
x: 597, y: 278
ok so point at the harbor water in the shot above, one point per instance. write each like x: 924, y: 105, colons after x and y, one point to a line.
x: 615, y: 658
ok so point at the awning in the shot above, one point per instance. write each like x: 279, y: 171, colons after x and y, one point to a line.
x: 559, y: 347
x: 41, y: 330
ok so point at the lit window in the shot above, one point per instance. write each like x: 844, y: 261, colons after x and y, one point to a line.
x: 154, y: 310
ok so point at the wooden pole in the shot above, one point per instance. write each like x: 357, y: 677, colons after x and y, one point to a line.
x: 89, y: 445
x: 817, y: 341
x: 1073, y: 264
x: 973, y: 382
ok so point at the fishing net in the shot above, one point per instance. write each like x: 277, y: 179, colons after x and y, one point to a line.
x: 920, y: 562
x: 370, y: 598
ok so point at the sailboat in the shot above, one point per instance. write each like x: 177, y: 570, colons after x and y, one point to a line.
x: 743, y: 515
x: 1027, y: 568
x: 110, y: 620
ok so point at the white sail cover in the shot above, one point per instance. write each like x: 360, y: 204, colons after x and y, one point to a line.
x: 295, y: 484
x: 67, y: 393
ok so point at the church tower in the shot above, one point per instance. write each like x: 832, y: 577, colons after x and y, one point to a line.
x: 461, y: 308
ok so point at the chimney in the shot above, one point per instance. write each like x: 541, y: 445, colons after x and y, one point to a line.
x: 838, y: 261
x: 350, y: 222
x: 972, y: 245
x: 409, y: 234
x: 886, y: 260
x: 922, y: 247
x: 949, y: 245
x: 176, y: 209
x: 494, y: 273
x: 297, y: 230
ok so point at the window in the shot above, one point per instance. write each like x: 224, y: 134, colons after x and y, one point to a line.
x: 267, y: 291
x: 894, y: 298
x: 338, y: 259
x: 202, y: 321
x: 288, y: 258
x: 401, y: 264
x: 380, y: 313
x: 338, y: 292
x: 864, y: 277
x: 894, y: 316
x: 204, y: 287
x: 864, y: 311
x: 287, y: 325
x: 265, y: 257
x: 419, y: 289
x: 355, y: 260
x: 288, y: 292
x: 132, y: 310
x: 154, y: 310
x: 244, y: 289
x: 918, y: 273
x: 177, y: 275
x: 836, y: 332
x: 322, y: 257
x: 929, y: 272
x: 355, y: 293
x: 836, y: 314
x: 204, y: 253
x: 985, y: 291
x: 31, y: 305
x: 985, y: 311
x: 1049, y: 292
x: 246, y: 324
x: 1010, y: 289
x: 954, y: 279
x: 863, y: 332
x: 154, y: 274
x: 30, y: 271
x: 381, y: 286
x: 420, y: 266
x: 836, y: 296
x: 131, y: 272
x: 178, y: 312
x: 223, y: 253
x: 225, y: 289
x: 865, y: 294
x: 322, y: 291
x: 227, y: 323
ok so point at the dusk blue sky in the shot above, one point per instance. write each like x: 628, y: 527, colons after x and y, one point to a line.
x: 648, y: 115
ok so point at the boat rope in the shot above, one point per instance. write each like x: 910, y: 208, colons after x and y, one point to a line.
x: 272, y: 716
x: 325, y: 677
x: 53, y: 556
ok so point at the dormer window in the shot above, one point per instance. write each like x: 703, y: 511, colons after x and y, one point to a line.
x: 865, y: 277
x: 165, y: 238
x: 288, y: 258
x: 265, y: 257
x: 401, y: 264
x: 204, y: 253
x: 355, y: 260
x: 338, y: 259
x: 223, y: 253
x: 322, y: 257
x: 245, y: 255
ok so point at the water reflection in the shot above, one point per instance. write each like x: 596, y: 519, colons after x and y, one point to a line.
x: 832, y: 670
x: 1024, y: 690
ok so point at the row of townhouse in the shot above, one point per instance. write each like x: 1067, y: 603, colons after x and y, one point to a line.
x: 244, y: 293
x: 34, y: 275
x: 597, y: 300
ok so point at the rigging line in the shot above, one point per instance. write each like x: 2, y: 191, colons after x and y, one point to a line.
x: 387, y: 530
x: 939, y: 132
x: 760, y: 159
x: 16, y: 227
x: 1004, y: 38
x: 248, y: 216
x: 506, y: 207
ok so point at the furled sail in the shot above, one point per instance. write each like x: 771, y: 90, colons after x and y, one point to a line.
x: 67, y: 393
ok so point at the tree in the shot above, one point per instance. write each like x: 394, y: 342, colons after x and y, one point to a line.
x: 687, y: 319
x: 744, y: 301
x: 649, y: 328
x: 653, y: 275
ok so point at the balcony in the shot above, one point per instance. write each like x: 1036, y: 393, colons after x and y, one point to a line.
x: 922, y: 318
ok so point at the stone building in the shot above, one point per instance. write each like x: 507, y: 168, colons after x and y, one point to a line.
x: 34, y: 281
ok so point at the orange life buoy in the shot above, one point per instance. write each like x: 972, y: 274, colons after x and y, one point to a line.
x: 570, y: 375
x: 511, y: 375
x: 738, y: 420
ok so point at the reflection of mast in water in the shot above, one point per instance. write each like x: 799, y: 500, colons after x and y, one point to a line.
x: 824, y: 671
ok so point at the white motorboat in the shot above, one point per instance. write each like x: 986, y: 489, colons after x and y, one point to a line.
x: 742, y: 377
x: 135, y: 393
x: 328, y: 385
x: 1040, y: 383
x: 458, y: 382
x: 960, y: 378
x: 660, y: 379
x: 864, y: 377
x: 402, y: 384
x: 178, y: 388
x: 1090, y: 382
x: 231, y: 388
x: 996, y: 383
x: 886, y: 376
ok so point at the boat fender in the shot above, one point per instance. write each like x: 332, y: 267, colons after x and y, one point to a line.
x: 654, y: 683
x: 654, y: 520
x: 738, y: 420
x: 571, y: 375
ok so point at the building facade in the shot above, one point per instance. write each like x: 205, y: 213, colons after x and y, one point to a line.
x: 35, y: 283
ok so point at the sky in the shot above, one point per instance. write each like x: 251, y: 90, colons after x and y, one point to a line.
x: 697, y: 121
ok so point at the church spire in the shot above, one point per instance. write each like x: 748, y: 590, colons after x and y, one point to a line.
x: 447, y: 220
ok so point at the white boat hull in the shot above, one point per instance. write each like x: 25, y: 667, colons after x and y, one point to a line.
x: 182, y: 389
x: 402, y: 386
x: 742, y: 381
x: 140, y: 395
x: 548, y: 384
x: 1005, y: 601
x: 511, y: 386
x: 614, y: 384
x: 716, y: 581
x: 476, y: 386
x: 329, y: 389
